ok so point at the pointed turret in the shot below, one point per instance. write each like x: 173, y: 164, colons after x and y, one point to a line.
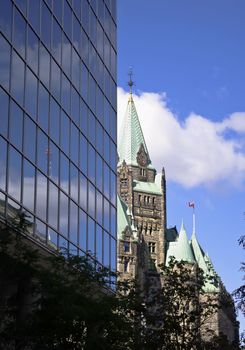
x: 131, y: 140
x: 184, y: 249
x: 181, y: 249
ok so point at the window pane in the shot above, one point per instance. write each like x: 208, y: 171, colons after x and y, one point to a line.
x: 65, y: 133
x: 63, y: 223
x: 106, y: 249
x: 57, y: 40
x: 6, y: 17
x: 91, y: 236
x: 3, y: 154
x: 84, y: 83
x: 113, y: 222
x: 43, y: 107
x: 99, y: 207
x: 54, y: 120
x: 41, y: 197
x: 106, y: 215
x: 4, y: 62
x: 113, y: 254
x: 55, y: 80
x: 66, y: 56
x: 19, y: 33
x: 52, y: 239
x: 67, y: 19
x: 106, y: 181
x: 91, y: 200
x: 83, y: 230
x: 76, y: 33
x: 34, y: 14
x: 53, y: 205
x: 54, y: 159
x: 17, y: 78
x: 74, y: 143
x: 99, y: 172
x: 14, y: 180
x: 64, y: 172
x: 45, y: 25
x: 99, y: 243
x: 74, y: 184
x: 91, y: 128
x: 83, y: 154
x: 44, y: 65
x: 31, y: 93
x: 99, y: 138
x: 83, y: 192
x: 84, y: 118
x: 16, y: 125
x: 75, y: 69
x: 42, y: 159
x: 73, y: 222
x: 57, y: 5
x: 32, y: 49
x: 75, y: 106
x: 29, y: 138
x: 91, y: 164
x: 66, y: 94
x: 28, y: 185
x: 4, y: 103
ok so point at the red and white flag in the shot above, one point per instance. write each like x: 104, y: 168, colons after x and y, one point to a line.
x: 191, y: 204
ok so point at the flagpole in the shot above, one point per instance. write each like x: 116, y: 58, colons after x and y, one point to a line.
x: 193, y: 222
x: 192, y: 205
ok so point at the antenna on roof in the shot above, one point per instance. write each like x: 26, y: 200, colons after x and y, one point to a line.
x: 130, y: 82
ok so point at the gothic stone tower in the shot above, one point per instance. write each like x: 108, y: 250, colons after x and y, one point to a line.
x: 141, y: 203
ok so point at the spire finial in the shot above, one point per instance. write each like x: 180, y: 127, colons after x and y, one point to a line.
x: 130, y: 82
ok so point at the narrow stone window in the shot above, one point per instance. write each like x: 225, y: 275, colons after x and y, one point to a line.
x: 125, y: 266
x: 126, y: 247
x: 152, y: 264
x: 152, y: 247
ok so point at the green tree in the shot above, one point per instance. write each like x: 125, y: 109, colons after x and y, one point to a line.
x: 239, y: 293
x: 183, y: 310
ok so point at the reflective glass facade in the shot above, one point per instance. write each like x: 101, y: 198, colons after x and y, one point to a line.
x: 58, y: 121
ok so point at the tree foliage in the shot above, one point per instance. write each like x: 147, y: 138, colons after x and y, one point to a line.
x: 62, y: 301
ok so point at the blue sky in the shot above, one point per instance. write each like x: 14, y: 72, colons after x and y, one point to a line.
x: 188, y: 60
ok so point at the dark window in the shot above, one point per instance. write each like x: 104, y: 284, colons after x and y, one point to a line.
x: 126, y: 247
x: 125, y: 265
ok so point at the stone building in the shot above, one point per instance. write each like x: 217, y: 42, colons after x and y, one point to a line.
x: 144, y: 241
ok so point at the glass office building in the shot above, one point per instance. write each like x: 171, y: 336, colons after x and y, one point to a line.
x: 58, y: 122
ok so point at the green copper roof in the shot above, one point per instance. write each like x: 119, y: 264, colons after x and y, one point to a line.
x: 198, y: 253
x: 180, y: 249
x: 204, y: 262
x: 147, y: 187
x: 122, y: 218
x: 131, y: 136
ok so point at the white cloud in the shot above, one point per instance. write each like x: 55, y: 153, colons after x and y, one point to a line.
x: 194, y: 152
